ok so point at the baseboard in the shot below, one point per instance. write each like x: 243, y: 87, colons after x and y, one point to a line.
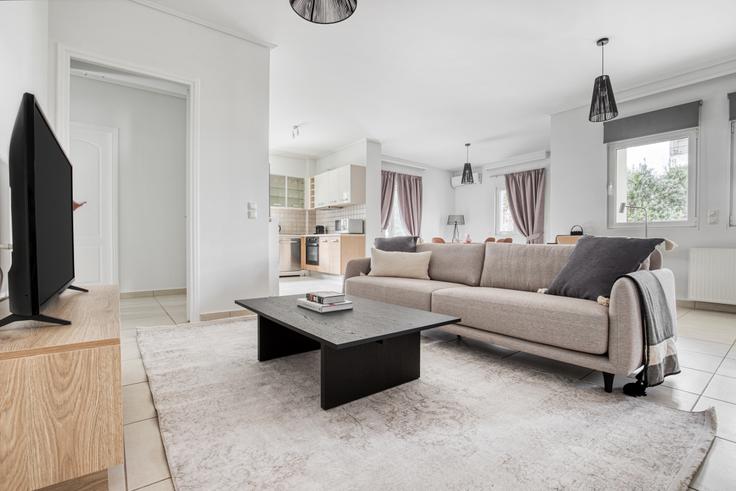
x: 154, y: 293
x: 714, y: 307
x: 227, y: 314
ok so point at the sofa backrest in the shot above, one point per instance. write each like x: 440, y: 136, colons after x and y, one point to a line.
x: 527, y: 267
x: 456, y: 263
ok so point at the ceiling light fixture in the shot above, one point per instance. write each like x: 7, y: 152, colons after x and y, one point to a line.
x: 603, y: 106
x: 324, y: 11
x: 294, y: 131
x: 467, y: 168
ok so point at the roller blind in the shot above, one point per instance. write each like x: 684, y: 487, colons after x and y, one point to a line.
x: 660, y: 121
x: 732, y: 106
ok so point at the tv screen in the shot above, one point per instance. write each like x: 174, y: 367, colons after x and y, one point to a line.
x: 41, y: 209
x: 53, y: 203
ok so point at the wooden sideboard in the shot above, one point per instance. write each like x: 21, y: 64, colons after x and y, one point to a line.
x: 61, y: 411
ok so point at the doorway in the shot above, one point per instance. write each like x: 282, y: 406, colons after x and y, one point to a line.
x: 130, y: 137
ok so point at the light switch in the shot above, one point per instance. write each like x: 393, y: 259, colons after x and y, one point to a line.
x: 713, y: 217
x: 252, y: 210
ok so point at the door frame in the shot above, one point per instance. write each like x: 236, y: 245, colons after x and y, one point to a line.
x: 114, y: 174
x: 65, y: 55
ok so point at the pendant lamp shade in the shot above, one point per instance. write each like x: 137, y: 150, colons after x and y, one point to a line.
x: 603, y: 105
x: 324, y: 11
x: 467, y: 168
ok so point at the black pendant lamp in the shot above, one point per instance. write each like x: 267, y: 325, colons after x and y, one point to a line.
x: 603, y: 106
x: 467, y: 169
x: 324, y: 11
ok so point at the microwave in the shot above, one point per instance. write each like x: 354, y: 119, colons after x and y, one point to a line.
x: 349, y: 226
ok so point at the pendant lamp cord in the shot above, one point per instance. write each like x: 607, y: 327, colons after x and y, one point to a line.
x: 603, y: 70
x: 467, y: 152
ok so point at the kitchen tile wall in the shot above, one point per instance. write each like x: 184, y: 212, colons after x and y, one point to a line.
x: 327, y: 217
x: 298, y: 222
x: 293, y: 221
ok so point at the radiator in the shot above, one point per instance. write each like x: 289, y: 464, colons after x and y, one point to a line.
x: 712, y: 275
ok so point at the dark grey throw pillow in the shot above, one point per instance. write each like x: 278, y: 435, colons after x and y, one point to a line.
x: 597, y: 262
x: 396, y: 244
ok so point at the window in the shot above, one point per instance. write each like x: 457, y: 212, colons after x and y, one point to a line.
x: 656, y: 175
x: 732, y: 218
x: 503, y: 219
x: 396, y: 227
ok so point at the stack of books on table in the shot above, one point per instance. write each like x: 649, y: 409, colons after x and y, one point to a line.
x: 325, y: 302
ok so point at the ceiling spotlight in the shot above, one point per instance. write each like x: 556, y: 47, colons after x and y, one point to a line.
x: 294, y: 131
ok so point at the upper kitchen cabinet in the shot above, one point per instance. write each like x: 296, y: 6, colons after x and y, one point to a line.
x: 343, y: 186
x: 287, y: 192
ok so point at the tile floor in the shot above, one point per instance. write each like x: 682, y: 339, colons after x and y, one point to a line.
x: 707, y: 353
x: 296, y: 285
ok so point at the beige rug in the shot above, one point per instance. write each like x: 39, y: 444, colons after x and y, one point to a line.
x: 472, y: 421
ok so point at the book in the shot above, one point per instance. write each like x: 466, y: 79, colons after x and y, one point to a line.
x: 325, y: 297
x: 324, y: 308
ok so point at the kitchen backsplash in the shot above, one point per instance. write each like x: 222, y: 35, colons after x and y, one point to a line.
x: 298, y: 222
x: 328, y: 216
x: 291, y: 220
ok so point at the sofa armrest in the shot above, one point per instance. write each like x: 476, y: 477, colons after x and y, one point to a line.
x: 625, y: 335
x: 356, y: 267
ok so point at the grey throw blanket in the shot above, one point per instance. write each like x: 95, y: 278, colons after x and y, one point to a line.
x: 659, y: 319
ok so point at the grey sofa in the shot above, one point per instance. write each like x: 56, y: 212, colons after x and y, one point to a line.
x: 493, y: 289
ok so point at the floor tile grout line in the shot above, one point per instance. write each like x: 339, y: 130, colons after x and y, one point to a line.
x: 165, y: 311
x: 151, y: 483
x: 713, y: 376
x: 142, y: 420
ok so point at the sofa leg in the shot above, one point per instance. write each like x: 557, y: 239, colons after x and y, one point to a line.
x: 608, y: 381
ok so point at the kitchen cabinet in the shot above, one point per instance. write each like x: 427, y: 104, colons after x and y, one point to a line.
x: 336, y: 250
x: 287, y: 191
x: 343, y: 186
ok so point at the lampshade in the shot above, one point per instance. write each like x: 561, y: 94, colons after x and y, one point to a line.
x: 603, y: 106
x: 456, y: 219
x: 467, y: 169
x: 324, y: 11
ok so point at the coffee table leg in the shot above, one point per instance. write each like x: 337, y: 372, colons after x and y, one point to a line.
x: 351, y: 373
x: 275, y: 341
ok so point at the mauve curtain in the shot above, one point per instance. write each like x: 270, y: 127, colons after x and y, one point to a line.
x: 525, y: 191
x: 387, y: 196
x: 410, y: 202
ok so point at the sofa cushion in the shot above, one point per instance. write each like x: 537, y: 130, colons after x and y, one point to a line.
x: 456, y: 263
x: 408, y: 292
x: 570, y: 323
x: 597, y: 262
x: 527, y: 267
x: 400, y: 264
x: 396, y: 244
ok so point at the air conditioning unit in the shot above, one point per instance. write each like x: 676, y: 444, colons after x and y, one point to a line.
x: 456, y: 180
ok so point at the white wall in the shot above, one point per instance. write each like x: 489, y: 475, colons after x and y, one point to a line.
x: 438, y: 197
x: 477, y: 202
x: 152, y: 178
x: 233, y: 116
x: 289, y: 166
x: 23, y: 65
x: 579, y: 173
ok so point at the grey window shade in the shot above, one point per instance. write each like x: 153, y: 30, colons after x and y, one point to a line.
x: 732, y: 106
x: 661, y: 121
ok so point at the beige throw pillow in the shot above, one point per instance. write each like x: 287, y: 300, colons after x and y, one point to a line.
x: 400, y: 264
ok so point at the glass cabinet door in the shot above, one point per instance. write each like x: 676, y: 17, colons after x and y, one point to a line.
x: 295, y: 192
x: 278, y: 191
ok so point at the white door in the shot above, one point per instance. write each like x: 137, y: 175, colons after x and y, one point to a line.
x: 94, y: 156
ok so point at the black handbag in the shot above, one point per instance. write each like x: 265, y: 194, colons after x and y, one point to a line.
x: 576, y: 230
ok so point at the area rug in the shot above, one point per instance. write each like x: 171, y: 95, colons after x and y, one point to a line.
x: 472, y: 421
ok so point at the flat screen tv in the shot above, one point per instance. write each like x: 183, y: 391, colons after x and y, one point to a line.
x: 41, y: 210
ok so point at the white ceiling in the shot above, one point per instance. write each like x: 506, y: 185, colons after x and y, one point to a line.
x: 424, y: 77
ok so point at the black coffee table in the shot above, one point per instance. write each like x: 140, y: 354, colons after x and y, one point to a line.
x: 366, y: 350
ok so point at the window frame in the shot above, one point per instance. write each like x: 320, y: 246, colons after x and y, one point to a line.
x: 693, y: 135
x: 498, y: 186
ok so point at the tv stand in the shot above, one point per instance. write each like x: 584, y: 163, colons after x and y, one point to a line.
x: 40, y: 318
x: 46, y: 319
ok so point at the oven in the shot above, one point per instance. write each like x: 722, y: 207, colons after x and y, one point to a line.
x: 312, y: 251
